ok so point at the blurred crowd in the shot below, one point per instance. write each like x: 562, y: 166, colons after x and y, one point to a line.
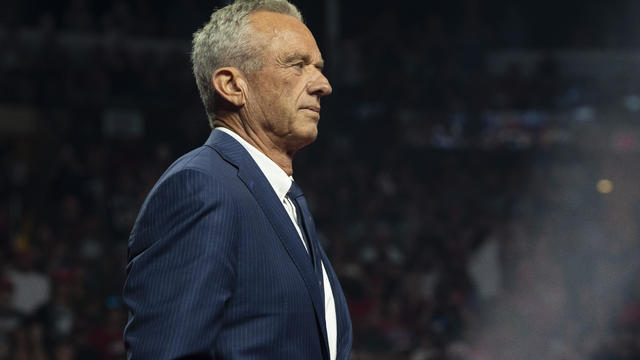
x: 455, y: 235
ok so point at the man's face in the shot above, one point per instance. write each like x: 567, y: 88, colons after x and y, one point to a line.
x: 283, y: 100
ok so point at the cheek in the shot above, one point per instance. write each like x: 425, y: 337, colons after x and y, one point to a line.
x: 288, y: 99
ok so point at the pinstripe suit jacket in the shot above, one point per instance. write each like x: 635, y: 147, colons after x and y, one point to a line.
x: 216, y: 269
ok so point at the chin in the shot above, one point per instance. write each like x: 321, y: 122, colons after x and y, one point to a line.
x: 304, y: 137
x: 310, y: 136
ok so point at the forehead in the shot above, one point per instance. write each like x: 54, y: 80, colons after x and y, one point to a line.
x: 283, y: 29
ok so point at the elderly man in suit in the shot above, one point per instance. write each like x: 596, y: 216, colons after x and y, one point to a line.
x: 223, y: 259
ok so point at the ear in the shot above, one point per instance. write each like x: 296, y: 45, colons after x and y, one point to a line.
x: 230, y: 85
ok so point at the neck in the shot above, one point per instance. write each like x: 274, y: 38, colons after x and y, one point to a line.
x: 260, y: 141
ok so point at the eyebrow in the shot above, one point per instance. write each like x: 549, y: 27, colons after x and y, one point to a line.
x: 304, y: 57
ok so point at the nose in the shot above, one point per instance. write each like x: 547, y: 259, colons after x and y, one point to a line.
x: 320, y: 86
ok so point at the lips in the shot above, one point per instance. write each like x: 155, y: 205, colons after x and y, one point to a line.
x: 312, y: 108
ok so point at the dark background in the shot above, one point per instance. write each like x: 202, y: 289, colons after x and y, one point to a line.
x: 475, y: 181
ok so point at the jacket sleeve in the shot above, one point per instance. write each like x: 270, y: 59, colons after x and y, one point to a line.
x: 181, y: 268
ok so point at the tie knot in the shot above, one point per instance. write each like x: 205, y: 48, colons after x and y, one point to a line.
x: 294, y: 191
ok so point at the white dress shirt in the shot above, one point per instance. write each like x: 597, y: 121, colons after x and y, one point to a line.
x: 281, y: 182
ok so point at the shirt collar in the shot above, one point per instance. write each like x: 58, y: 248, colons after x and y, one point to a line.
x: 278, y: 179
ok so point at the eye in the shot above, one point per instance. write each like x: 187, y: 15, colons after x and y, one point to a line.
x: 299, y: 65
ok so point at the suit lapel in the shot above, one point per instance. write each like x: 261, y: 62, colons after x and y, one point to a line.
x: 258, y: 185
x: 343, y: 320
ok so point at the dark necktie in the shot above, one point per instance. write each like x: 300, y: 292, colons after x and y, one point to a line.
x: 305, y: 222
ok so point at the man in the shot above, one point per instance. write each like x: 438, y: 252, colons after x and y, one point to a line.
x: 224, y: 261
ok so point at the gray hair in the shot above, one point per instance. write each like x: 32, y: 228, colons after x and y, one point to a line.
x: 226, y: 40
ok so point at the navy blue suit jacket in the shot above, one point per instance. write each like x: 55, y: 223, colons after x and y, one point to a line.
x: 216, y: 269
